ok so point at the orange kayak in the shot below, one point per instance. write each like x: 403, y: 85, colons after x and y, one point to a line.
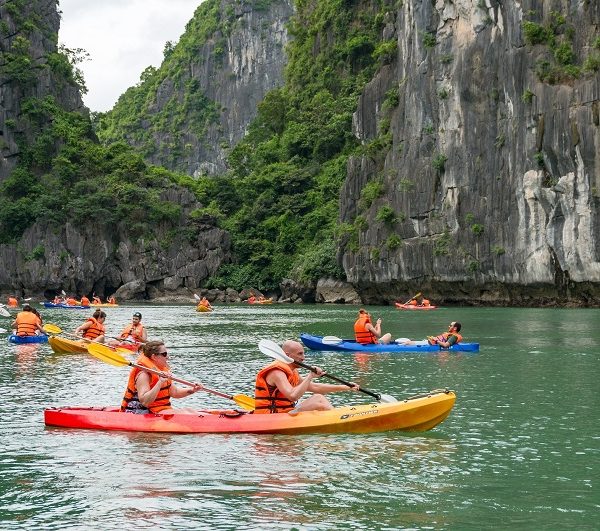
x: 418, y: 413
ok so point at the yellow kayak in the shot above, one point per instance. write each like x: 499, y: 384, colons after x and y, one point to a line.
x: 62, y: 345
x: 202, y: 308
x: 104, y: 305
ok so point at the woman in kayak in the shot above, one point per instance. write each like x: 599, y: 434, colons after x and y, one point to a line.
x: 364, y: 331
x: 93, y: 329
x: 279, y: 386
x: 27, y: 323
x: 150, y: 393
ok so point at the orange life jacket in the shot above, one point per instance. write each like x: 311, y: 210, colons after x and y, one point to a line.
x: 85, y: 301
x: 413, y: 302
x: 71, y: 301
x: 27, y: 323
x: 135, y: 331
x: 163, y: 398
x: 424, y: 302
x: 95, y: 330
x: 12, y: 302
x: 112, y: 300
x: 444, y: 337
x: 269, y: 399
x: 361, y: 334
x: 97, y: 300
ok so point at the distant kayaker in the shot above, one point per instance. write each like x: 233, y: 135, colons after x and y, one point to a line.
x: 72, y: 301
x: 27, y: 323
x: 96, y: 299
x: 111, y: 300
x: 279, y: 386
x: 93, y: 329
x: 444, y: 340
x: 204, y: 302
x: 135, y: 331
x: 252, y: 298
x: 413, y: 302
x: 151, y: 393
x: 425, y: 302
x: 85, y: 301
x: 364, y: 331
x: 13, y: 302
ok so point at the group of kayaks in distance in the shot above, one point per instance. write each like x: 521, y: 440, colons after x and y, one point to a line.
x: 412, y: 414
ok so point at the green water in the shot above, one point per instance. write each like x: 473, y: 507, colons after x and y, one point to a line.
x: 521, y: 449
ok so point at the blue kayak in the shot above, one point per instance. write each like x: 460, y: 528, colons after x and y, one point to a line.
x: 23, y: 340
x: 349, y: 345
x: 65, y: 306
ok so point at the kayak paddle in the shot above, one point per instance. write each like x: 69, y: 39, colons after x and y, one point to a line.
x: 273, y: 350
x: 105, y: 354
x: 4, y: 312
x: 3, y: 330
x: 332, y: 340
x: 417, y: 295
x: 53, y: 329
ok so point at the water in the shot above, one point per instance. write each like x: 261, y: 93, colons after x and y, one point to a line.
x: 521, y: 449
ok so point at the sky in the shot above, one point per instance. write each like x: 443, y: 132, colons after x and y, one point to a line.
x: 122, y: 37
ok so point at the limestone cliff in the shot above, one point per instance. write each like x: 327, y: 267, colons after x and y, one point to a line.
x: 199, y: 103
x: 487, y: 187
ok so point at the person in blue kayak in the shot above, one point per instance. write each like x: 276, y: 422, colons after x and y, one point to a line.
x: 444, y: 340
x: 366, y: 333
x: 279, y: 386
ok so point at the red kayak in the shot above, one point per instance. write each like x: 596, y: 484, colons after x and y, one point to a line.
x: 401, y: 306
x: 417, y: 413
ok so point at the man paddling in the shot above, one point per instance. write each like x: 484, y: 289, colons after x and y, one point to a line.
x: 279, y: 386
x: 133, y: 333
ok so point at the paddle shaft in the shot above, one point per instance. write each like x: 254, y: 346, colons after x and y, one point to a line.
x: 412, y: 298
x: 180, y: 380
x: 331, y: 377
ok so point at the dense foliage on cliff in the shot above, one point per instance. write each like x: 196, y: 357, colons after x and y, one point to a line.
x: 280, y: 199
x: 63, y: 172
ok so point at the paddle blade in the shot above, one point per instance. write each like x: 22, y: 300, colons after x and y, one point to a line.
x: 244, y: 401
x: 52, y: 329
x: 107, y: 355
x: 273, y: 350
x: 332, y: 340
x: 196, y: 296
x: 387, y: 399
x: 4, y: 312
x: 3, y: 330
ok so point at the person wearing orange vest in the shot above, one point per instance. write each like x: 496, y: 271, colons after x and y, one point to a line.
x: 204, y: 302
x: 449, y: 338
x: 71, y: 301
x: 111, y: 300
x: 27, y: 323
x: 364, y: 331
x: 444, y: 340
x: 425, y: 302
x: 93, y: 329
x: 134, y: 332
x: 13, y: 302
x: 85, y: 301
x: 413, y: 302
x: 147, y: 392
x: 279, y: 386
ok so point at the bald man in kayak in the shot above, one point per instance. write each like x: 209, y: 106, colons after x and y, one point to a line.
x: 279, y: 386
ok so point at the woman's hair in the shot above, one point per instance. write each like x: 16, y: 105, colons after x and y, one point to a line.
x: 151, y: 347
x: 98, y: 314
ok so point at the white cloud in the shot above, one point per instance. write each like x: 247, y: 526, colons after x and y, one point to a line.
x: 123, y: 37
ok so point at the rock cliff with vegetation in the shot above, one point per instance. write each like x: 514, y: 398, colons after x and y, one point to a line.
x: 390, y: 147
x: 76, y: 215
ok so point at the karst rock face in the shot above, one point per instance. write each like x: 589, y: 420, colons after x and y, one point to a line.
x: 489, y: 178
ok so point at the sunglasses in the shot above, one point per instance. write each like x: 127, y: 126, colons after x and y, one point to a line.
x: 163, y: 354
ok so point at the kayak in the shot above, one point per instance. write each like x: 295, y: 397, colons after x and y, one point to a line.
x: 65, y: 306
x: 62, y: 345
x: 409, y: 307
x: 104, y: 305
x: 266, y: 301
x: 133, y: 347
x: 418, y: 413
x: 349, y: 345
x: 202, y: 308
x: 22, y: 340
